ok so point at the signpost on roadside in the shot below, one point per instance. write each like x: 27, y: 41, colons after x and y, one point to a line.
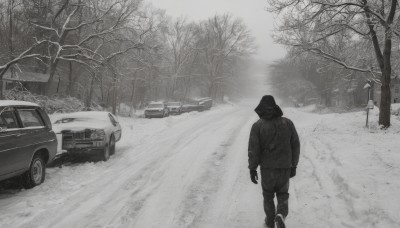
x: 370, y: 104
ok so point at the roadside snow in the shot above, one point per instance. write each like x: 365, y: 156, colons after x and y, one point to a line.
x: 348, y: 173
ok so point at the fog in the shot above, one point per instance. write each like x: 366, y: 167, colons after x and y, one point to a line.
x: 252, y: 12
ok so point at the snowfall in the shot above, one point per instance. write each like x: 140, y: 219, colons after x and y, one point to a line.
x: 191, y: 171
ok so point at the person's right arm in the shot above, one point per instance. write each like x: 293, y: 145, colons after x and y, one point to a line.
x: 295, y: 145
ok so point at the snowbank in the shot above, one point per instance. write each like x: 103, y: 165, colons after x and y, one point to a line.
x: 348, y: 174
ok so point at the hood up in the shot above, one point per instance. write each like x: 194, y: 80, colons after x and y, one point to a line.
x: 268, y: 109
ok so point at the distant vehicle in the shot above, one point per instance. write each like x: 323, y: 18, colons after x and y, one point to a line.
x: 206, y: 103
x: 200, y: 104
x: 191, y: 108
x: 27, y: 142
x: 174, y: 107
x: 156, y: 109
x: 89, y: 132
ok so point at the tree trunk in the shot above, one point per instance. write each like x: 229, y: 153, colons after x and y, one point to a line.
x: 211, y: 90
x: 70, y: 80
x: 384, y: 114
x: 133, y: 95
x: 90, y: 94
x: 114, y: 96
x: 187, y: 87
x: 10, y: 45
x: 1, y: 88
x: 52, y: 72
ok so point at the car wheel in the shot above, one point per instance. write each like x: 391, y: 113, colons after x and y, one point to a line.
x: 112, y: 145
x: 36, y: 173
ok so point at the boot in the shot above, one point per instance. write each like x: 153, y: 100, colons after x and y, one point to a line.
x: 280, y: 221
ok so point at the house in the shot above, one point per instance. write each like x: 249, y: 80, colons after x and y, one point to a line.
x: 33, y: 82
x: 394, y: 88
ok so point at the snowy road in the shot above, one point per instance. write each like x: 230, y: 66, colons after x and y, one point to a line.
x: 167, y: 172
x: 191, y: 171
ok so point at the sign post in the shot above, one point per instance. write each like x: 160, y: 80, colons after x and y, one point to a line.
x: 370, y: 104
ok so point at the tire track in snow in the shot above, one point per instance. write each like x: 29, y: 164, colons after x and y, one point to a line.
x: 165, y: 206
x: 137, y: 200
x: 333, y: 185
x: 375, y: 214
x: 206, y: 196
x: 145, y: 178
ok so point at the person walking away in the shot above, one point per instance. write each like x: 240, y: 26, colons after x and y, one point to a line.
x: 274, y: 146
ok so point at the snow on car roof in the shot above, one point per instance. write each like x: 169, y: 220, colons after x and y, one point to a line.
x: 16, y: 103
x: 203, y: 98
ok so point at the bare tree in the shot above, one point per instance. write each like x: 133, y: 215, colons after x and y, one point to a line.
x: 181, y: 39
x: 97, y: 22
x: 222, y: 37
x: 309, y: 25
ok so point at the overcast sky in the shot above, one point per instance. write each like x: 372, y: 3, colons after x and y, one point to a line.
x: 253, y: 12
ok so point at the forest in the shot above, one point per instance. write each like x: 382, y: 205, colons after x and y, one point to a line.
x: 337, y: 47
x: 108, y: 52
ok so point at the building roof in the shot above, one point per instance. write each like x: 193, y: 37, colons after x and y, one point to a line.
x: 26, y: 76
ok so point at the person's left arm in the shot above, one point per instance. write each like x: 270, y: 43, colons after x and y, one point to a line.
x: 254, y: 147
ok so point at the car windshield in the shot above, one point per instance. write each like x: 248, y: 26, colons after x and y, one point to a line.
x: 173, y: 104
x: 155, y: 106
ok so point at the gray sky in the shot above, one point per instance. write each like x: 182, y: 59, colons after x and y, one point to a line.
x: 253, y: 12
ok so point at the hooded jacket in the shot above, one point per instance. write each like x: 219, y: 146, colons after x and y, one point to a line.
x: 273, y: 142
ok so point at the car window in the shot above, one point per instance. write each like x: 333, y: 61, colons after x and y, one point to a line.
x: 113, y: 121
x: 30, y: 118
x: 156, y: 106
x: 8, y: 120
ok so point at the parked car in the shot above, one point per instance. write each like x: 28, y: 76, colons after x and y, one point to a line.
x: 27, y: 142
x: 92, y: 132
x: 206, y: 103
x: 156, y: 109
x: 174, y: 107
x: 191, y: 108
x: 200, y: 104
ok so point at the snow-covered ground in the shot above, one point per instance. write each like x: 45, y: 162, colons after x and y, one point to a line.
x: 191, y: 171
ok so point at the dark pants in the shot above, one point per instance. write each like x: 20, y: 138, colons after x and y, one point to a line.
x: 275, y: 181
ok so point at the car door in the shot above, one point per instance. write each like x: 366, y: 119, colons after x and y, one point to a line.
x: 9, y: 141
x: 33, y: 134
